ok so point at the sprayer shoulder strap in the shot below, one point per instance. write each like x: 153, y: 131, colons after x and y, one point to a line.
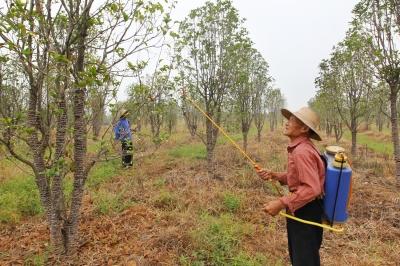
x: 321, y: 156
x: 321, y: 197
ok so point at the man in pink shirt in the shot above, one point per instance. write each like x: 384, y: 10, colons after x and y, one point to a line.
x: 305, y: 178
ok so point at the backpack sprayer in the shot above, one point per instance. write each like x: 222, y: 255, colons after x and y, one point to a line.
x: 337, y: 185
x: 337, y: 180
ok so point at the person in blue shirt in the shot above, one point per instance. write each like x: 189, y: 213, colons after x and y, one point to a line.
x: 122, y: 131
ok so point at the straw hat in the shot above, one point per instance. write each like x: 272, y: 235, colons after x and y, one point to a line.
x: 123, y: 112
x: 308, y: 117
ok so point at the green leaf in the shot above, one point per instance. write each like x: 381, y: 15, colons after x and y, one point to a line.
x: 27, y: 52
x: 126, y: 16
x: 174, y: 34
x: 131, y: 66
x: 3, y: 59
x: 113, y: 7
x: 59, y: 57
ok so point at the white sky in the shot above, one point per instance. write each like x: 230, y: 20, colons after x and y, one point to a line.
x: 292, y: 35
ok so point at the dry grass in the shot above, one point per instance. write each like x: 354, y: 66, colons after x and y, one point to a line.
x: 171, y: 195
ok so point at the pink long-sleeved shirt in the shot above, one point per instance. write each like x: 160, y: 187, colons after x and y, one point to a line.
x: 305, y: 174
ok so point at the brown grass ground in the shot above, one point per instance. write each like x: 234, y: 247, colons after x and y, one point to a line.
x: 156, y: 233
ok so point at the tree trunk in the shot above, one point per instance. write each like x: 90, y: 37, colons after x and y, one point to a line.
x: 354, y: 142
x: 245, y: 133
x: 80, y: 143
x: 258, y: 135
x: 353, y: 128
x: 272, y: 124
x: 210, y: 145
x: 58, y: 215
x: 98, y: 116
x: 39, y: 166
x: 379, y: 121
x: 193, y: 130
x: 328, y: 129
x: 191, y: 122
x: 338, y: 131
x: 395, y: 128
x: 169, y: 127
x: 155, y: 122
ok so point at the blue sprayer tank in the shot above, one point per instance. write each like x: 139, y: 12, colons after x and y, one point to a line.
x: 337, y: 185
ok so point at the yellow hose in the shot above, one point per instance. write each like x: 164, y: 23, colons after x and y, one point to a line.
x: 334, y: 229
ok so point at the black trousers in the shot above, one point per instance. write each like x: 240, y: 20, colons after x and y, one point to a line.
x: 127, y: 152
x: 305, y: 240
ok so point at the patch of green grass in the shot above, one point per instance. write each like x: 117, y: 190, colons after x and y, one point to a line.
x: 231, y: 202
x: 3, y: 254
x: 244, y: 259
x: 192, y: 151
x: 165, y: 200
x: 101, y: 173
x: 235, y: 137
x: 372, y: 143
x: 94, y: 146
x: 160, y: 182
x: 19, y: 197
x: 198, y: 150
x: 39, y: 259
x: 68, y: 186
x: 271, y: 188
x: 107, y: 202
x: 217, y: 240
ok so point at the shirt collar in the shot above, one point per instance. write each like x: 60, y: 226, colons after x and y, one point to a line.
x: 294, y: 143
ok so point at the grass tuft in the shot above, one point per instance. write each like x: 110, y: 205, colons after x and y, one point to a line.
x: 19, y: 197
x: 165, y: 200
x: 193, y: 151
x: 217, y: 240
x: 372, y: 143
x: 108, y: 203
x: 231, y: 202
x: 101, y: 173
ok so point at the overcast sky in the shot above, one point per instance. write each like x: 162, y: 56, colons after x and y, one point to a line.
x: 292, y: 35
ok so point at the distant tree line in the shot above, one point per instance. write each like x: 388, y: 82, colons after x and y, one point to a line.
x: 359, y: 82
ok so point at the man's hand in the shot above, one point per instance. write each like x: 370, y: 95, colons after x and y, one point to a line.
x: 265, y: 174
x: 273, y: 207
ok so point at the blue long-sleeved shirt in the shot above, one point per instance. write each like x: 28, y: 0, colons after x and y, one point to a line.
x: 122, y: 130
